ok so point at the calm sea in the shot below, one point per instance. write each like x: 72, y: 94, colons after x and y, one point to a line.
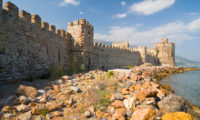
x: 186, y: 85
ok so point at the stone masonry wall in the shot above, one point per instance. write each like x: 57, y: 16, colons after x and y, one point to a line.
x: 29, y: 46
x: 107, y: 56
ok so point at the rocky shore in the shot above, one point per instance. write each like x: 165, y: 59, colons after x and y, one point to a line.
x: 119, y: 94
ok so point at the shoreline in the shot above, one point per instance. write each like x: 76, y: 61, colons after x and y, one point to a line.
x: 116, y: 94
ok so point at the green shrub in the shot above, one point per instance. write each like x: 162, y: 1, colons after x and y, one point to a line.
x: 103, y: 100
x: 43, y: 112
x: 130, y: 66
x: 110, y: 73
x: 82, y: 68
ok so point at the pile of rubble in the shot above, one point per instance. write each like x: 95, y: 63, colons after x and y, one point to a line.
x: 118, y: 94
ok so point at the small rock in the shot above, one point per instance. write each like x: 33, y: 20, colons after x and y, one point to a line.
x: 91, y: 109
x: 56, y: 89
x: 129, y: 113
x: 41, y: 92
x: 49, y: 116
x: 6, y: 109
x: 7, y: 116
x: 119, y: 114
x: 65, y: 77
x: 23, y: 108
x: 117, y: 104
x: 119, y: 96
x: 43, y: 100
x: 75, y: 89
x: 128, y: 103
x: 25, y: 116
x: 149, y: 101
x: 12, y: 100
x: 88, y: 114
x: 27, y: 91
x: 57, y: 114
x: 23, y: 100
x: 38, y: 118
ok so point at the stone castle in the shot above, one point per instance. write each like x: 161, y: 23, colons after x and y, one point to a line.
x: 29, y: 46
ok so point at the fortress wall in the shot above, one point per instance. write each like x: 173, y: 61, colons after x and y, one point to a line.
x: 107, y: 56
x: 28, y: 47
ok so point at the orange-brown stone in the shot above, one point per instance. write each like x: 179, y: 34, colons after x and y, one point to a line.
x: 144, y: 114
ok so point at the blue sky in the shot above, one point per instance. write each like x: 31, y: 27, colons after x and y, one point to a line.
x: 140, y: 22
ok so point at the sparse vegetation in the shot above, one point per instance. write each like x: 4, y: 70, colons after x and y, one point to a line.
x: 130, y: 66
x: 110, y: 73
x: 43, y: 112
x: 56, y: 71
x: 82, y: 68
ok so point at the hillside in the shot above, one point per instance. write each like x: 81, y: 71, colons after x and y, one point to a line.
x: 181, y: 61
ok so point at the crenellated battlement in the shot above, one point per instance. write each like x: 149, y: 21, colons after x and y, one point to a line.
x: 45, y: 26
x: 25, y: 15
x: 81, y: 22
x: 36, y: 19
x: 11, y: 8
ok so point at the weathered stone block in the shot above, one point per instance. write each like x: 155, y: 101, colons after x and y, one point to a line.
x: 58, y: 31
x: 62, y: 33
x: 70, y: 24
x: 76, y: 22
x: 36, y: 19
x: 52, y: 28
x: 45, y: 25
x: 82, y: 21
x: 25, y: 15
x: 11, y: 8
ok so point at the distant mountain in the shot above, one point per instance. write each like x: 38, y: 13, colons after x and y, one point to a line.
x: 181, y: 61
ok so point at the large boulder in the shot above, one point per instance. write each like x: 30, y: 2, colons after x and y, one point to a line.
x: 27, y: 91
x: 177, y: 116
x: 144, y: 93
x: 172, y: 103
x: 144, y: 114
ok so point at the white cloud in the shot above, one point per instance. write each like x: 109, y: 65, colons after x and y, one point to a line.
x: 123, y: 15
x: 195, y: 25
x: 123, y: 3
x: 81, y: 12
x: 148, y: 7
x: 72, y: 2
x: 176, y: 31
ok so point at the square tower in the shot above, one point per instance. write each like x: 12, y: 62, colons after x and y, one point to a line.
x: 82, y: 34
x: 166, y: 52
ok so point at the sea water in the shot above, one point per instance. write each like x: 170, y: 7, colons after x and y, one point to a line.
x: 186, y: 85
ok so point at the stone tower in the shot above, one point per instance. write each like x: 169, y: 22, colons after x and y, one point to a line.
x: 166, y: 52
x: 82, y: 36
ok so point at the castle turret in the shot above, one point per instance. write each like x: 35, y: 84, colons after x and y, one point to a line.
x: 82, y: 34
x: 166, y: 52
